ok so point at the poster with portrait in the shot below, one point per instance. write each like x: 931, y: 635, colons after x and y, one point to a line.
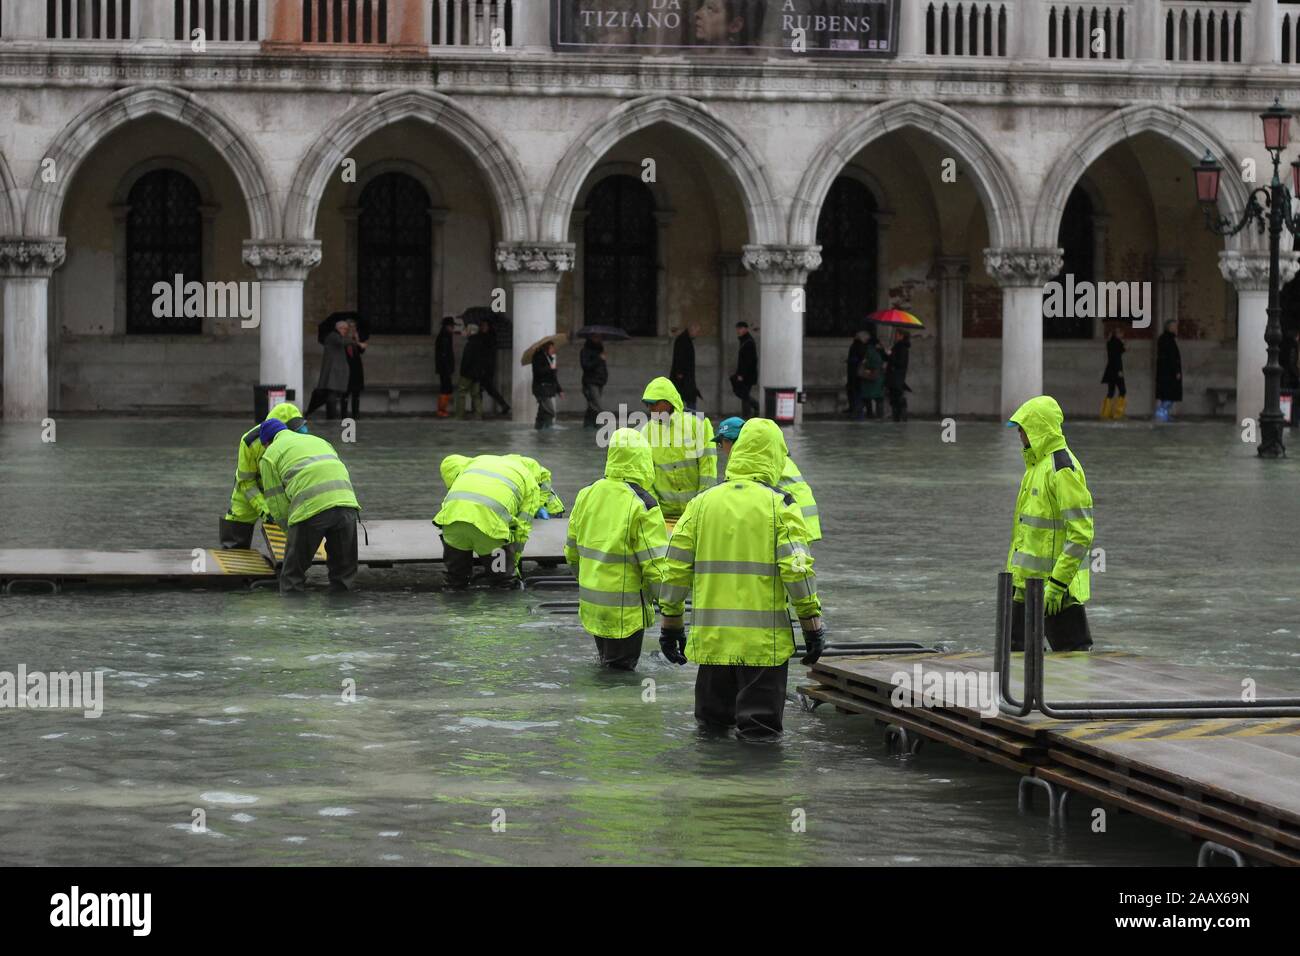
x: 861, y: 28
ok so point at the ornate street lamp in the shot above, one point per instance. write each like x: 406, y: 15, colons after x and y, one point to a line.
x: 1268, y: 208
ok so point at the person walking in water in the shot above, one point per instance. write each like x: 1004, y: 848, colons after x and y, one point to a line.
x: 1169, y: 373
x: 1112, y: 406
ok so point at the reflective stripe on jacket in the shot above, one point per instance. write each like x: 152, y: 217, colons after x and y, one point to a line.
x: 495, y: 493
x: 685, y: 458
x: 742, y: 550
x: 303, y: 476
x: 617, y: 542
x: 247, y: 503
x: 792, y: 483
x: 1053, y: 526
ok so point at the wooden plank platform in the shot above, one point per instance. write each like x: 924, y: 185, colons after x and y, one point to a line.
x: 1235, y: 781
x: 385, y: 543
x: 74, y: 565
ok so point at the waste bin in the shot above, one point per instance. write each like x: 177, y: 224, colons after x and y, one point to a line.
x: 779, y: 404
x: 266, y: 397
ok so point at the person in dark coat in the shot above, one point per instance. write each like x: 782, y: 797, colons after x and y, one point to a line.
x: 595, y: 375
x: 857, y: 355
x: 332, y: 384
x: 896, y: 375
x: 1169, y: 372
x: 444, y: 364
x: 546, y: 386
x: 488, y: 367
x: 469, y: 388
x: 1113, y: 377
x: 355, y: 346
x: 745, y: 377
x: 682, y: 372
x: 1289, y: 358
x: 873, y: 383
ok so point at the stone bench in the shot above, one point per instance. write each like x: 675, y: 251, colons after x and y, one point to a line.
x: 1220, y: 396
x: 394, y: 392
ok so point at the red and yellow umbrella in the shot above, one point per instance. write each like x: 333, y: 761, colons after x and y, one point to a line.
x: 897, y: 318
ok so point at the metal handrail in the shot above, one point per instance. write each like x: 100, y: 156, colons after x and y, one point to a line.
x: 1035, y: 665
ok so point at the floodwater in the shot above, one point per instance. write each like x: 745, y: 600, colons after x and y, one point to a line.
x: 474, y: 709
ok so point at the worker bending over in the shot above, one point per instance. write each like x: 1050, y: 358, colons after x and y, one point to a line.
x: 681, y: 442
x: 791, y: 480
x: 1051, y: 537
x: 246, y: 501
x: 617, y: 542
x: 308, y: 492
x: 489, y: 507
x: 742, y: 548
x: 552, y: 504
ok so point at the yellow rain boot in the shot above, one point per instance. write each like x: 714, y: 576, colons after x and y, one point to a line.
x: 1106, y: 404
x: 1117, y: 410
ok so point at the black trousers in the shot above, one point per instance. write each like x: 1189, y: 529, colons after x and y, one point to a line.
x: 236, y: 534
x: 748, y: 407
x: 334, y: 402
x: 1112, y: 386
x: 620, y: 654
x: 458, y: 567
x: 337, y: 527
x: 446, y: 384
x: 489, y: 387
x: 1067, y: 630
x: 751, y: 699
x: 355, y: 396
x: 898, y: 403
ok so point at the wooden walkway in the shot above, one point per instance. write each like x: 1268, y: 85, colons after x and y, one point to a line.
x: 1233, y: 782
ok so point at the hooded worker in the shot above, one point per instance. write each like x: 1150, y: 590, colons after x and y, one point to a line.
x: 488, y: 511
x: 309, y: 492
x: 246, y: 501
x: 791, y: 480
x: 552, y: 503
x: 1051, y: 537
x: 742, y: 549
x: 681, y: 443
x: 617, y: 542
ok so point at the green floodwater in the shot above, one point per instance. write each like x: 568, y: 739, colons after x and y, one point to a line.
x: 475, y: 707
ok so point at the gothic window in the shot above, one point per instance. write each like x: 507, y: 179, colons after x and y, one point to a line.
x: 1076, y: 238
x: 164, y: 239
x: 395, y: 255
x: 842, y: 293
x: 620, y: 256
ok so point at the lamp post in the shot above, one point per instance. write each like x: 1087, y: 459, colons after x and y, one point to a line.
x: 1267, y: 208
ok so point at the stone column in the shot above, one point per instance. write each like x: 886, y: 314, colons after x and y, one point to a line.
x: 781, y: 272
x: 953, y: 271
x: 1028, y: 36
x: 532, y: 27
x: 911, y: 29
x: 1266, y: 48
x: 1146, y: 34
x: 883, y: 221
x: 534, y: 270
x: 1022, y: 273
x: 282, y: 268
x: 1248, y: 273
x: 25, y: 269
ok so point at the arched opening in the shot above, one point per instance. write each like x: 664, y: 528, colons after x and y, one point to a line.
x: 164, y: 239
x: 843, y: 291
x: 1078, y: 241
x: 620, y: 242
x: 395, y: 255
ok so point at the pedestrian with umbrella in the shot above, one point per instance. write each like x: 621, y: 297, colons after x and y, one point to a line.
x: 595, y: 373
x: 546, y: 384
x: 896, y: 370
x: 332, y: 384
x: 354, y: 347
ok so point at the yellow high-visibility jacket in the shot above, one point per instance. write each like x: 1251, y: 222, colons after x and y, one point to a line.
x: 686, y: 460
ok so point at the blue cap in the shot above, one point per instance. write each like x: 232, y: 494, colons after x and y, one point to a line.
x: 269, y: 429
x: 1013, y: 424
x: 729, y: 429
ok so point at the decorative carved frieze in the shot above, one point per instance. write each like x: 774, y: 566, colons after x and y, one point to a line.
x: 1022, y: 267
x: 288, y: 259
x: 788, y: 265
x: 535, y: 261
x: 31, y: 258
x: 1249, y: 272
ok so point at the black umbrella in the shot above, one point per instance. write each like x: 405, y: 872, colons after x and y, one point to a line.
x: 604, y: 331
x: 326, y: 326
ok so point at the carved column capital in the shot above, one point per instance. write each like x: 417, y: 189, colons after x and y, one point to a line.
x: 1023, y: 267
x: 782, y: 265
x: 1248, y: 272
x: 274, y: 259
x: 22, y: 258
x: 535, y: 261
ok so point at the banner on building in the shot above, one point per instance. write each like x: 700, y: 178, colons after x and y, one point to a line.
x: 862, y: 28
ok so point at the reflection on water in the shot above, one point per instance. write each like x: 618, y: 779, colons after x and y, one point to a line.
x: 473, y: 709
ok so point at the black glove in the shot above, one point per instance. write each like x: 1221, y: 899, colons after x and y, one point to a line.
x: 672, y: 643
x: 815, y: 643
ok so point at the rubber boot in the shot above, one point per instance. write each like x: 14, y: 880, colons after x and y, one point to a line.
x: 1117, y: 411
x: 1107, y: 406
x: 235, y: 534
x: 443, y: 402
